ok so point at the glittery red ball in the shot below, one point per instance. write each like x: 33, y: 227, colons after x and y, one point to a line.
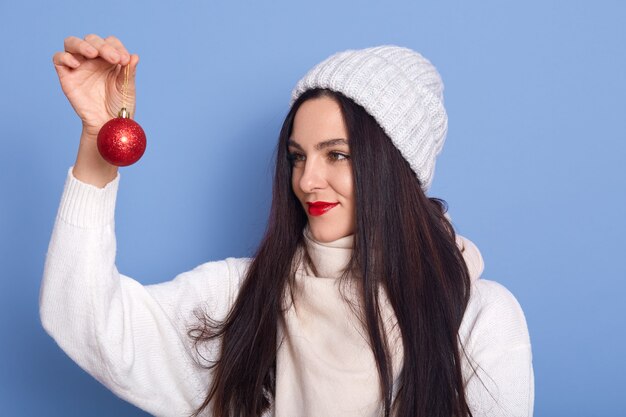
x: 121, y: 141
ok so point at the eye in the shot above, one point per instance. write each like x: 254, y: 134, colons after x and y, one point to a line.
x: 294, y: 157
x: 335, y: 156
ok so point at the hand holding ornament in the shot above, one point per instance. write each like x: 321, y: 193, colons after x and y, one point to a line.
x: 92, y: 72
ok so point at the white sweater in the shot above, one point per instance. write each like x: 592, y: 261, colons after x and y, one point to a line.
x: 132, y: 337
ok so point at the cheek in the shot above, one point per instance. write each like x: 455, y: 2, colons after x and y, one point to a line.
x: 345, y: 185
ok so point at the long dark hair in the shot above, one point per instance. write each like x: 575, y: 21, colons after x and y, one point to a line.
x: 402, y: 243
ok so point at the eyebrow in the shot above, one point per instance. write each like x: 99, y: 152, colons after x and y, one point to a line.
x: 326, y: 144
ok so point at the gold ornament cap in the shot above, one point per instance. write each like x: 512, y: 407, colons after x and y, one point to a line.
x: 124, y: 114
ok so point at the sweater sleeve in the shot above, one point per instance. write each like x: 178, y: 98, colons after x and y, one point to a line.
x: 497, y: 363
x: 130, y: 337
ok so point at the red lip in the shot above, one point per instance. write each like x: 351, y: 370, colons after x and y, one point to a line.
x: 317, y: 208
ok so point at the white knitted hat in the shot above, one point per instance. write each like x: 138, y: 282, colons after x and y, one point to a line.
x: 400, y: 88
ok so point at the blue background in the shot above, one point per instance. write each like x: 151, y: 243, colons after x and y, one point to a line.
x: 533, y: 167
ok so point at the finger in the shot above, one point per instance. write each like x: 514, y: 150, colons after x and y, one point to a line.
x: 65, y: 59
x: 61, y: 69
x: 76, y: 45
x: 117, y: 44
x: 106, y: 51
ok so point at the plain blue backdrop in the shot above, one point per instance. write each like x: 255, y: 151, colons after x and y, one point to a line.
x: 532, y: 169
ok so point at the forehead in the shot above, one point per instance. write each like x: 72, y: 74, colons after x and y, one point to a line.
x: 318, y: 119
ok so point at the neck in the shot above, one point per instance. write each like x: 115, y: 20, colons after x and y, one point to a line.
x: 330, y: 258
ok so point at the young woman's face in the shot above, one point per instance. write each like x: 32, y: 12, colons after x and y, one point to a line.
x: 322, y: 173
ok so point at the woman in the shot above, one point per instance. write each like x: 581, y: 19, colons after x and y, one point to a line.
x: 360, y: 300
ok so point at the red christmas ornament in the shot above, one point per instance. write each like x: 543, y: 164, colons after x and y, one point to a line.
x: 121, y: 141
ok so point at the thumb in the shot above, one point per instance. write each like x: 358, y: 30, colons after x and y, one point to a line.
x: 129, y: 70
x: 134, y: 60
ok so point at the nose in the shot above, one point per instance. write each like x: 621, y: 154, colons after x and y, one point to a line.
x: 313, y: 178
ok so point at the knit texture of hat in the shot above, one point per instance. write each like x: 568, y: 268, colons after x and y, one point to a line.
x: 400, y: 88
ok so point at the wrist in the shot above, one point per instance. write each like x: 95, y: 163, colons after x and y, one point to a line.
x: 90, y: 167
x: 89, y: 133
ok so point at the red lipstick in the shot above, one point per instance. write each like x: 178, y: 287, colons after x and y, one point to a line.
x: 318, y: 208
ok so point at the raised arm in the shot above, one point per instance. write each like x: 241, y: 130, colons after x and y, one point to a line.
x: 132, y: 338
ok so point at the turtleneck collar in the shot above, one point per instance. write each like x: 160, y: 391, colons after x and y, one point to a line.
x: 329, y: 258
